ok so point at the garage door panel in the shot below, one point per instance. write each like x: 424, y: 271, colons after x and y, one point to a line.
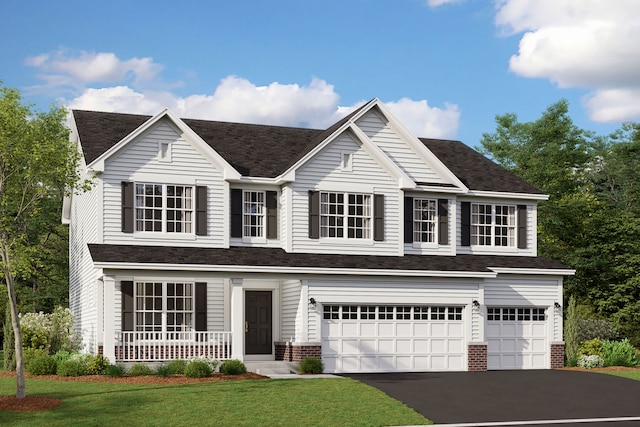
x: 393, y: 339
x: 516, y: 338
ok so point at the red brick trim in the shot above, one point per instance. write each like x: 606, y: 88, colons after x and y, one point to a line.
x: 297, y: 352
x: 477, y: 357
x: 557, y: 355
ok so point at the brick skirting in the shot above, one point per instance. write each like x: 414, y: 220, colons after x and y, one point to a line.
x: 477, y: 354
x: 557, y: 355
x: 297, y: 352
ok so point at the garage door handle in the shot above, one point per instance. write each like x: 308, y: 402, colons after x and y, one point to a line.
x: 246, y: 326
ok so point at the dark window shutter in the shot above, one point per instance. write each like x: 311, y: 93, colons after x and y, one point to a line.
x: 314, y: 215
x: 465, y: 218
x: 378, y: 217
x: 443, y: 221
x: 272, y: 214
x: 201, y: 306
x: 236, y: 213
x: 127, y: 207
x: 201, y: 210
x: 522, y: 226
x: 408, y: 219
x: 127, y: 305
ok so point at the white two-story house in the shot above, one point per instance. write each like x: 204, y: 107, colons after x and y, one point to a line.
x: 360, y: 244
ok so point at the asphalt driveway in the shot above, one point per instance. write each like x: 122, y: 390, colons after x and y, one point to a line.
x: 498, y: 396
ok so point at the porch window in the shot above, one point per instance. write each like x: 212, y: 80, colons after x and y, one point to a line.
x: 164, y: 307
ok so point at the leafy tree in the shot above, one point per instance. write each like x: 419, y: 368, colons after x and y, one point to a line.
x: 37, y: 166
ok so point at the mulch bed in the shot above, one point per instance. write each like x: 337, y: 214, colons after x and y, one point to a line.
x: 43, y: 403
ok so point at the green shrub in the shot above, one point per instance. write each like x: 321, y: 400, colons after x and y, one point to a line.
x: 311, y: 365
x: 177, y: 366
x: 33, y: 353
x: 61, y: 356
x: 591, y: 348
x: 589, y: 329
x: 74, y: 367
x: 619, y: 353
x: 114, y: 371
x: 163, y: 371
x: 233, y: 367
x: 140, y: 369
x: 198, y: 369
x: 96, y: 364
x: 42, y: 365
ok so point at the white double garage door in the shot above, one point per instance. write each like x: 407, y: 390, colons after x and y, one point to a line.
x: 385, y: 338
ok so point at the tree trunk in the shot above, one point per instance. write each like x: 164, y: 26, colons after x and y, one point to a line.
x: 15, y: 322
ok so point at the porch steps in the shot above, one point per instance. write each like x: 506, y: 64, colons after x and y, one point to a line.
x: 272, y: 367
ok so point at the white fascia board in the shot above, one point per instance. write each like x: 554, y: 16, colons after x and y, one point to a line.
x: 404, y: 181
x: 278, y: 181
x: 504, y: 195
x: 209, y: 153
x: 291, y: 270
x: 438, y: 189
x: 425, y: 154
x: 533, y: 271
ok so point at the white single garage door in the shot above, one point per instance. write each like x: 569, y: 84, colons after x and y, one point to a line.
x: 388, y: 338
x: 517, y: 338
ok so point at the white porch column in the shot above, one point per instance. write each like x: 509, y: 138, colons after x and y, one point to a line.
x: 237, y: 319
x: 109, y: 304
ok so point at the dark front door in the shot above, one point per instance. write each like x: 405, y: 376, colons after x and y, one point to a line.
x: 257, y: 312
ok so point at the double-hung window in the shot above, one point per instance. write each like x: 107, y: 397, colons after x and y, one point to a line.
x: 493, y: 225
x: 253, y: 214
x: 165, y: 307
x: 345, y: 215
x: 425, y: 220
x: 164, y: 208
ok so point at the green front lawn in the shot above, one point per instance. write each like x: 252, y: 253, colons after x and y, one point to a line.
x: 269, y: 402
x: 632, y: 374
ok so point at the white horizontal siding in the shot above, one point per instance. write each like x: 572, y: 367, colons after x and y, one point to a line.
x: 290, y: 315
x: 396, y: 149
x: 140, y: 159
x: 380, y: 291
x: 83, y: 229
x: 215, y: 305
x: 324, y: 172
x: 521, y: 291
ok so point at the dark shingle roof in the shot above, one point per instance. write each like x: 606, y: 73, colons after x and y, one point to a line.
x: 475, y: 170
x: 267, y: 151
x: 274, y: 257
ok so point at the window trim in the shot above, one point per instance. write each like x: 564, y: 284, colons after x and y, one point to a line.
x: 512, y: 229
x: 164, y: 212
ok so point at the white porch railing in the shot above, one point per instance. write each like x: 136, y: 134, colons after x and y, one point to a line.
x: 162, y: 346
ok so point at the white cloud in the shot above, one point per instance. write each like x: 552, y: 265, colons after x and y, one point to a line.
x: 579, y: 43
x: 78, y: 69
x: 315, y: 105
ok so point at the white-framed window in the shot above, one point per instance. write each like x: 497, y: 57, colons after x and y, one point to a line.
x: 163, y: 208
x: 392, y: 312
x: 164, y: 307
x: 253, y: 213
x: 493, y: 225
x: 345, y: 215
x: 497, y: 314
x: 425, y: 220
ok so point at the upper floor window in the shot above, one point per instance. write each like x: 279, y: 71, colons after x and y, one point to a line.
x: 164, y: 208
x: 339, y: 215
x: 426, y: 220
x: 345, y: 215
x: 254, y: 214
x: 493, y: 225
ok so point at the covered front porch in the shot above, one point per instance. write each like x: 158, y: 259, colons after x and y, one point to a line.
x: 148, y: 319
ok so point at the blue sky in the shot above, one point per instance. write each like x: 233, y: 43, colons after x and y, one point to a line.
x: 444, y: 68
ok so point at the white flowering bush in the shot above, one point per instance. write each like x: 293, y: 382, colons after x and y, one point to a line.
x: 590, y: 362
x: 213, y: 363
x: 50, y: 331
